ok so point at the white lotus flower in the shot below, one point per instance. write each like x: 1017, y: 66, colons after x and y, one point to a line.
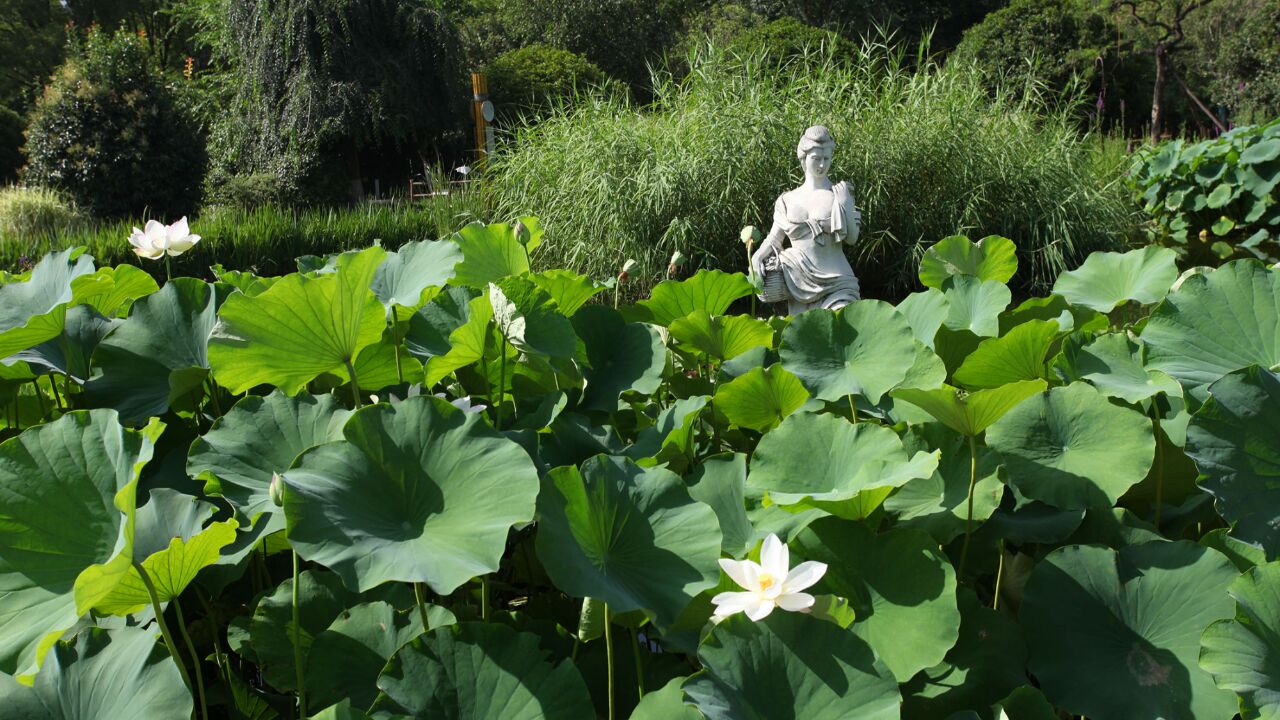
x: 770, y: 583
x: 464, y: 404
x: 158, y: 239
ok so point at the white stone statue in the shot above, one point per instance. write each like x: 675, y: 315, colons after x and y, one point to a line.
x: 818, y: 219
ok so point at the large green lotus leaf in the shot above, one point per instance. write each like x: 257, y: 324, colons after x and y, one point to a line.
x: 975, y: 305
x: 480, y: 671
x: 376, y: 369
x: 1069, y: 317
x: 300, y: 328
x: 1216, y: 323
x: 790, y: 665
x: 991, y: 258
x: 257, y: 437
x: 1017, y: 355
x: 841, y: 460
x: 450, y: 332
x: 670, y: 440
x: 969, y: 413
x: 710, y: 291
x: 1072, y: 448
x: 1116, y: 635
x: 159, y: 354
x: 761, y: 398
x: 171, y: 570
x: 667, y: 703
x: 629, y: 536
x: 720, y: 481
x: 721, y: 336
x: 987, y: 662
x: 1113, y: 363
x: 489, y: 253
x: 925, y: 312
x: 122, y: 674
x: 1234, y: 442
x: 418, y: 492
x: 32, y: 311
x: 927, y: 371
x: 1243, y: 653
x: 526, y: 316
x: 111, y: 290
x: 246, y: 282
x: 569, y: 289
x: 344, y: 660
x: 321, y: 600
x: 622, y: 356
x: 1108, y: 279
x: 416, y: 266
x: 939, y: 504
x: 69, y: 353
x: 67, y: 503
x: 865, y: 348
x: 901, y: 587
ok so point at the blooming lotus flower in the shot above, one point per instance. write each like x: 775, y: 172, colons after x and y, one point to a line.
x: 157, y: 239
x: 770, y: 583
x: 464, y: 404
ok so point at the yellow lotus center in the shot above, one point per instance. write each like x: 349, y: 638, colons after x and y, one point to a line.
x: 766, y: 581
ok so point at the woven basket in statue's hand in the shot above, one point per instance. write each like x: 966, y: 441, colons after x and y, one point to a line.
x: 773, y: 286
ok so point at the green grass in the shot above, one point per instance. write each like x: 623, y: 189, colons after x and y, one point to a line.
x: 929, y: 152
x: 266, y: 239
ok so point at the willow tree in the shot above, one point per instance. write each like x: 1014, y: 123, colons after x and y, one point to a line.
x: 318, y: 82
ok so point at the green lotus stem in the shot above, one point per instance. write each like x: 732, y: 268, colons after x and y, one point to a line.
x: 422, y: 606
x: 213, y: 396
x: 484, y: 597
x: 164, y: 626
x: 502, y: 383
x: 195, y: 658
x: 355, y: 383
x: 1159, y: 464
x: 391, y: 322
x: 168, y: 275
x: 297, y: 645
x: 995, y: 604
x: 608, y: 653
x: 616, y: 287
x: 218, y: 658
x: 853, y: 410
x: 635, y: 650
x: 56, y: 397
x: 44, y: 410
x: 968, y: 520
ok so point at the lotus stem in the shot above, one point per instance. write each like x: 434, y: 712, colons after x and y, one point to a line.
x: 44, y: 409
x: 608, y: 653
x: 395, y: 345
x: 168, y: 274
x: 968, y: 519
x: 297, y: 644
x: 53, y: 385
x: 1158, y: 465
x: 484, y: 597
x: 213, y: 396
x: 164, y: 626
x: 422, y: 606
x: 635, y: 650
x: 995, y: 603
x: 195, y: 658
x: 218, y: 657
x: 853, y: 410
x: 502, y: 383
x: 355, y: 384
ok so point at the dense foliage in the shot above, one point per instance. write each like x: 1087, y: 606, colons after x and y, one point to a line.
x: 786, y: 38
x: 715, y: 149
x: 437, y: 483
x: 1214, y: 199
x: 320, y: 82
x: 537, y: 76
x: 1237, y: 50
x: 114, y: 133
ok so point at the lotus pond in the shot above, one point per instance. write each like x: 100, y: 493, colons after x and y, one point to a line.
x: 435, y: 483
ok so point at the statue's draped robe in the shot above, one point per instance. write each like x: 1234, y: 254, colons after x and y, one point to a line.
x: 814, y: 267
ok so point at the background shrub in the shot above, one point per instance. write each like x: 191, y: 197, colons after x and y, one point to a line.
x: 786, y: 38
x: 244, y: 192
x: 11, y: 125
x: 534, y: 77
x: 32, y: 212
x: 929, y: 153
x: 114, y: 134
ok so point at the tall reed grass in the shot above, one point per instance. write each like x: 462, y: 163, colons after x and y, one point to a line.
x: 929, y: 152
x: 266, y: 239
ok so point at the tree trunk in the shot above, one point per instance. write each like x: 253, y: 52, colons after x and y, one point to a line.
x: 1157, y: 94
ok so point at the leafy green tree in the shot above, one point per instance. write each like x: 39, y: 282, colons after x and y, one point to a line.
x: 1236, y: 50
x: 321, y: 79
x: 1160, y: 27
x: 115, y: 133
x: 31, y: 40
x: 944, y: 20
x: 535, y: 76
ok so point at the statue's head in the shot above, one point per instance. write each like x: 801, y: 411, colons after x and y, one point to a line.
x: 815, y: 149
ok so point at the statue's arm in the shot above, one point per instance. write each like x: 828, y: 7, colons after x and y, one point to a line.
x: 772, y: 243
